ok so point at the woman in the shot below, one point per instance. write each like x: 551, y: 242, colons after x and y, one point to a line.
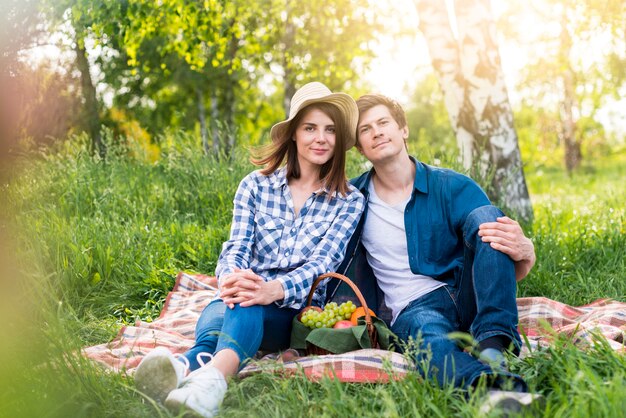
x: 290, y: 224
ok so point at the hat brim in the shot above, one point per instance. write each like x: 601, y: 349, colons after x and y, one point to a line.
x: 344, y: 102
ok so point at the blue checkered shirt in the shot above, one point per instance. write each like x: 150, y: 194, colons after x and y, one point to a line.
x: 269, y: 239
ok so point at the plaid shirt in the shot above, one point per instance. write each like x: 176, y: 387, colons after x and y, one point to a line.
x: 267, y: 238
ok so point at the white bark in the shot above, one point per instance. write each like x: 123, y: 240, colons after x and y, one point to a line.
x: 444, y: 54
x: 476, y: 98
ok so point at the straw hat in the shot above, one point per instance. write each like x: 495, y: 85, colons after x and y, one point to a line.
x: 316, y: 93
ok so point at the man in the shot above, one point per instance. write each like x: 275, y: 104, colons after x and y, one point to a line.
x: 445, y: 259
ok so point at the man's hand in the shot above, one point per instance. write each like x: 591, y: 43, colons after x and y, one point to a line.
x: 507, y: 236
x: 247, y: 288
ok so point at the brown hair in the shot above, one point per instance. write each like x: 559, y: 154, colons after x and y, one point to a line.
x: 332, y: 173
x: 368, y: 101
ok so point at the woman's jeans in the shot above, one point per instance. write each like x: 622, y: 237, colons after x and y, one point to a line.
x: 244, y: 330
x: 482, y: 302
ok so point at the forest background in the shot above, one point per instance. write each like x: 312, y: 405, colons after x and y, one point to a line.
x: 125, y: 127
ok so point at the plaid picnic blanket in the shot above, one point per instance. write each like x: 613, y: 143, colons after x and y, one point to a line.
x: 174, y: 329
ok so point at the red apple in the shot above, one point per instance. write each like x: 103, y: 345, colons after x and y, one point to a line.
x: 343, y: 324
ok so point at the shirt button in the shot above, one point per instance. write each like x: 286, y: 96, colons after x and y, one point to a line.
x: 293, y: 229
x: 287, y: 253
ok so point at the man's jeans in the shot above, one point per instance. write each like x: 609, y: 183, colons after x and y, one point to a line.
x: 244, y: 330
x: 482, y: 302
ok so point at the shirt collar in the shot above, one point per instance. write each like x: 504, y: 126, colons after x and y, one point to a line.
x: 421, y: 176
x: 280, y: 180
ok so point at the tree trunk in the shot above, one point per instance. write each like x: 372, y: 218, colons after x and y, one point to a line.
x: 229, y: 96
x: 215, y: 115
x: 496, y: 135
x: 288, y: 41
x: 445, y: 57
x: 475, y: 95
x: 202, y: 118
x: 229, y: 121
x: 92, y: 112
x: 572, y: 150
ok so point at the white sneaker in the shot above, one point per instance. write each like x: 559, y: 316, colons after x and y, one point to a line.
x: 202, y: 392
x: 494, y: 358
x: 159, y: 373
x: 506, y: 402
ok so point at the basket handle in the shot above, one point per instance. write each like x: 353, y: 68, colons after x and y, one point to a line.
x: 371, y: 331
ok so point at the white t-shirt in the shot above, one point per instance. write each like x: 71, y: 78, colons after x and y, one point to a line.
x: 384, y: 238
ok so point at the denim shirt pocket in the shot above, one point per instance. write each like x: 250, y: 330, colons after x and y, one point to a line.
x: 435, y: 243
x: 268, y: 232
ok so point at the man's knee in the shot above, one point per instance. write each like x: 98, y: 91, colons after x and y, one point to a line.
x: 480, y: 215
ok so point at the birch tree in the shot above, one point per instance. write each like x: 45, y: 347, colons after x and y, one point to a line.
x: 469, y: 72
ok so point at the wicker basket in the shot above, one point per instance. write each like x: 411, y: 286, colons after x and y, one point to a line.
x: 371, y: 330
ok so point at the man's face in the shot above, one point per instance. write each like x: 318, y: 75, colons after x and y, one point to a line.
x: 380, y: 137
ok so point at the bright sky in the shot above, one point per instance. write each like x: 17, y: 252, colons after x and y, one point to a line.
x: 401, y: 64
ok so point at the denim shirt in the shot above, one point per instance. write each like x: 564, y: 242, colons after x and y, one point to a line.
x: 434, y: 216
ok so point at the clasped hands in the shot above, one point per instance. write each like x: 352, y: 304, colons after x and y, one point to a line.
x: 248, y: 288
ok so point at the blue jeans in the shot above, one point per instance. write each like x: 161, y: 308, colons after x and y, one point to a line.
x: 481, y: 302
x: 244, y: 330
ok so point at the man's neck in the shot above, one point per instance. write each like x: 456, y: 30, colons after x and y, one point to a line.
x: 393, y: 180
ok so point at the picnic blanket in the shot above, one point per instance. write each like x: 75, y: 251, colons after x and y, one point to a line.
x: 174, y: 329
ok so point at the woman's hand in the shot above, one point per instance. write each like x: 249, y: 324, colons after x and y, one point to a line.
x: 507, y: 236
x: 247, y: 288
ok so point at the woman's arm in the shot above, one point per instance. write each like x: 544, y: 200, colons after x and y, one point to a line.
x: 236, y: 251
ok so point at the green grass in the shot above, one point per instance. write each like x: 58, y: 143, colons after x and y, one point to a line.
x: 579, y: 233
x: 89, y: 245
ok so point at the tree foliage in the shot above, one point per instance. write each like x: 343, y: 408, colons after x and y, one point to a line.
x: 322, y: 40
x: 19, y: 31
x: 429, y: 124
x: 216, y: 65
x: 578, y: 56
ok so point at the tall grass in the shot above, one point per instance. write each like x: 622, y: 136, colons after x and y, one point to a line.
x: 96, y: 244
x: 579, y: 233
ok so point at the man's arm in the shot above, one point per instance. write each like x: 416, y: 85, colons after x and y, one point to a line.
x: 507, y: 236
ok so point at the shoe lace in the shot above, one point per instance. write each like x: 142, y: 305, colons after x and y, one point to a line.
x: 200, y: 361
x: 184, y: 360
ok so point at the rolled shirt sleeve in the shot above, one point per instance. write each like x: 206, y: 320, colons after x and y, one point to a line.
x: 236, y: 251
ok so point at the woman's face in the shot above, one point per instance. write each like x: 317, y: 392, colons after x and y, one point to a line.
x: 315, y: 138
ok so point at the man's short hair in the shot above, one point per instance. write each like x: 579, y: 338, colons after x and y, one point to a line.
x: 368, y: 101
